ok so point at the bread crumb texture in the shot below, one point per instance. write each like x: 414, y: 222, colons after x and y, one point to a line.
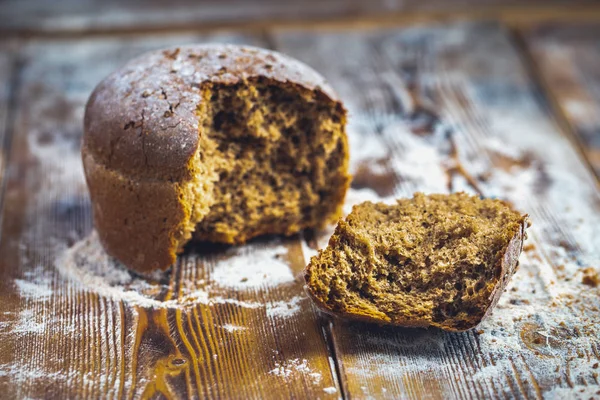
x: 280, y: 156
x: 433, y: 260
x: 219, y: 143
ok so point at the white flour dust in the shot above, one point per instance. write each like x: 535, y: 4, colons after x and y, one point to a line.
x: 24, y: 373
x: 233, y: 328
x: 38, y: 289
x: 295, y: 367
x: 251, y: 267
x: 28, y: 323
x: 87, y: 264
x: 285, y: 309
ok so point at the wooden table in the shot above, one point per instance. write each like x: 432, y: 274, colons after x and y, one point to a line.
x: 507, y: 108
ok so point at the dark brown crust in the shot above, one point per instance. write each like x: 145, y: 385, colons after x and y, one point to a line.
x: 127, y: 213
x: 141, y: 119
x: 509, y: 262
x: 141, y: 132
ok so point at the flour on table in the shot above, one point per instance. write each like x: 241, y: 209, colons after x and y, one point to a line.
x: 253, y: 266
x: 285, y: 309
x: 330, y: 390
x: 577, y: 392
x: 233, y: 328
x: 87, y: 265
x: 418, y: 164
x: 235, y: 302
x: 364, y: 148
x: 22, y: 373
x: 27, y: 324
x: 38, y: 289
x: 296, y: 367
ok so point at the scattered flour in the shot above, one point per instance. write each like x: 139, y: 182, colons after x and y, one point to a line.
x: 285, y: 309
x: 416, y: 161
x: 36, y: 284
x: 489, y: 372
x: 330, y: 390
x: 61, y: 156
x: 294, y: 367
x: 25, y: 373
x: 87, y: 265
x: 577, y: 392
x: 235, y: 302
x: 251, y: 266
x: 363, y: 149
x: 38, y: 289
x: 233, y: 328
x: 27, y: 324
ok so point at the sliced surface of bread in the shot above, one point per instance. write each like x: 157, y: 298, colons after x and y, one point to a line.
x: 433, y: 260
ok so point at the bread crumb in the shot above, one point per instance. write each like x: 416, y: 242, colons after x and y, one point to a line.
x: 590, y: 277
x: 529, y: 247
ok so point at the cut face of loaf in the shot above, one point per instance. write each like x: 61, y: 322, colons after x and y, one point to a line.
x: 214, y: 142
x: 437, y: 260
x: 279, y: 155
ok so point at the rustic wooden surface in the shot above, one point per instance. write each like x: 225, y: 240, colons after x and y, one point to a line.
x: 435, y: 109
x: 568, y: 56
x: 454, y: 109
x: 64, y: 17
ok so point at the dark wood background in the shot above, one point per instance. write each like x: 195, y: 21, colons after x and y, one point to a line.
x: 495, y: 97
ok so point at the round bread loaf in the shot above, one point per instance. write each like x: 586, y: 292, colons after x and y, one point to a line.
x: 217, y: 142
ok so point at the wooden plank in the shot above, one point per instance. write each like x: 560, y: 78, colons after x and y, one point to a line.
x: 224, y: 323
x: 8, y: 65
x: 567, y: 57
x: 451, y: 108
x: 96, y: 16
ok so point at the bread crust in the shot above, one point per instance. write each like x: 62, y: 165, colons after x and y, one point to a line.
x: 142, y: 119
x: 508, y: 264
x: 141, y: 133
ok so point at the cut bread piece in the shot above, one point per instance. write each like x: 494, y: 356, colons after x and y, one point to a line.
x: 433, y: 260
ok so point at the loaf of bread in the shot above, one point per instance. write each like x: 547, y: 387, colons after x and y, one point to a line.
x: 437, y: 260
x: 219, y: 143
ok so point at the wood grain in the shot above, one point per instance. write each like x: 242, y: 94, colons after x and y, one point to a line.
x: 8, y: 66
x: 200, y: 332
x: 35, y: 17
x: 452, y: 108
x: 567, y: 57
